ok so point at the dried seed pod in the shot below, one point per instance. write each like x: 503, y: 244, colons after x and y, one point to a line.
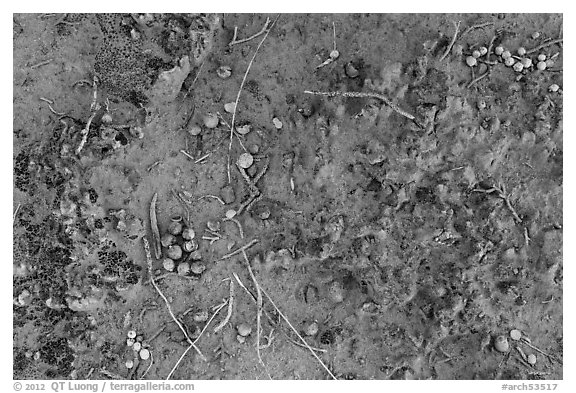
x: 197, y: 268
x: 130, y: 342
x: 471, y: 61
x: 311, y: 329
x: 541, y: 65
x: 195, y: 255
x: 265, y: 213
x: 229, y: 107
x: 481, y: 104
x: 277, y: 123
x: 244, y: 129
x: 188, y: 234
x: 139, y: 338
x: 244, y: 329
x: 526, y: 62
x: 483, y: 50
x: 476, y: 54
x: 240, y: 339
x: 541, y: 57
x: 195, y: 130
x: 131, y: 334
x: 144, y: 354
x: 245, y: 160
x: 183, y: 268
x: 535, y: 35
x: 201, y: 316
x: 515, y: 334
x: 506, y: 54
x: 210, y: 120
x: 175, y: 228
x: 106, y: 118
x: 231, y: 213
x: 499, y: 50
x: 334, y: 54
x: 224, y: 72
x: 501, y: 344
x: 254, y: 148
x: 168, y: 264
x: 190, y: 246
x: 549, y: 63
x: 129, y: 363
x: 521, y: 51
x: 137, y: 346
x: 531, y: 359
x: 553, y: 88
x: 509, y: 61
x: 350, y: 70
x: 174, y: 252
x: 167, y: 239
x: 213, y: 225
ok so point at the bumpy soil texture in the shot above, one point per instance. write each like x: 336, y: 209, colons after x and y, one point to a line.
x: 402, y: 238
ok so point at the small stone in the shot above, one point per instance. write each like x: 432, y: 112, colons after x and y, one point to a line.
x: 518, y: 67
x: 265, y: 213
x: 174, y: 252
x: 351, y: 71
x: 195, y: 130
x: 168, y: 264
x: 227, y: 194
x: 245, y: 160
x: 229, y: 107
x: 244, y: 329
x: 553, y: 88
x: 549, y: 63
x: 210, y: 120
x: 311, y: 329
x: 213, y: 225
x: 506, y: 54
x: 195, y: 255
x: 188, y: 234
x: 541, y: 65
x: 167, y: 240
x: 509, y: 62
x: 499, y: 50
x: 144, y: 354
x: 277, y: 123
x: 183, y: 268
x: 481, y: 104
x: 501, y: 344
x: 535, y: 35
x: 137, y: 346
x: 131, y: 334
x: 175, y: 228
x: 476, y: 54
x: 106, y: 118
x: 197, y: 268
x: 541, y: 57
x: 224, y: 72
x: 243, y: 130
x: 471, y: 61
x: 129, y: 363
x: 531, y: 359
x: 515, y: 334
x: 521, y: 51
x: 483, y: 50
x: 130, y: 342
x: 336, y: 292
x: 201, y: 316
x: 231, y: 213
x: 526, y: 62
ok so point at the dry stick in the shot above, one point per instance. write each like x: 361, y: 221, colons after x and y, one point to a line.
x: 238, y: 251
x: 154, y: 228
x: 149, y: 366
x: 258, y: 313
x: 474, y: 27
x: 240, y: 91
x: 478, y: 79
x: 558, y: 41
x: 541, y: 351
x: 111, y: 375
x: 236, y: 42
x: 213, y: 197
x: 15, y: 213
x: 186, y: 154
x: 178, y: 362
x: 84, y: 133
x: 149, y: 261
x: 230, y: 308
x: 353, y: 94
x: 449, y: 48
x: 298, y: 334
x: 42, y: 63
x: 50, y: 102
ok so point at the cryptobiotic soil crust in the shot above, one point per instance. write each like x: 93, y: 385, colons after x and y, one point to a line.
x: 400, y: 237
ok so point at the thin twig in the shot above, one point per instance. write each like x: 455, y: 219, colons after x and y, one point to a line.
x: 478, y: 79
x: 186, y: 154
x: 539, y: 47
x: 85, y: 132
x: 202, y: 158
x: 149, y: 366
x: 218, y: 308
x: 50, y: 102
x: 298, y: 334
x: 154, y: 227
x: 523, y: 341
x: 241, y: 249
x: 262, y: 31
x: 110, y: 374
x: 449, y: 48
x: 178, y: 362
x: 230, y: 308
x: 213, y: 197
x: 258, y: 313
x: 42, y: 63
x: 15, y: 213
x: 240, y: 91
x: 237, y: 224
x: 474, y: 27
x: 353, y: 94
